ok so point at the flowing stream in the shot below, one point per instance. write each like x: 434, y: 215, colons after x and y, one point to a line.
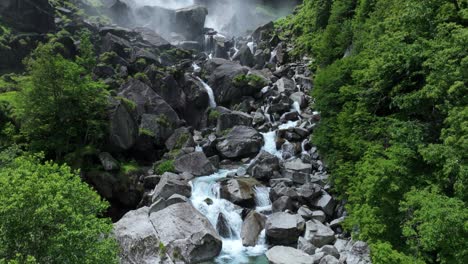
x: 209, y: 91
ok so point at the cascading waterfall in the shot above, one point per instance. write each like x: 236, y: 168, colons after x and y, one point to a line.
x: 262, y: 198
x: 297, y: 107
x: 270, y: 139
x: 251, y: 46
x: 206, y: 199
x: 209, y: 91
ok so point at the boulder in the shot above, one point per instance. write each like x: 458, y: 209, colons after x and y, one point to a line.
x: 171, y: 184
x: 222, y: 226
x: 195, y: 163
x: 282, y: 204
x: 298, y: 165
x: 329, y: 250
x: 162, y: 203
x: 263, y: 166
x: 240, y: 142
x: 137, y: 238
x: 283, y: 228
x: 306, y: 246
x: 190, y: 21
x: 123, y: 127
x: 308, y: 192
x: 300, y: 98
x: 288, y: 255
x: 186, y: 232
x: 229, y: 120
x: 328, y: 259
x: 239, y: 191
x: 285, y: 85
x: 252, y: 226
x: 28, y: 15
x: 318, y: 233
x: 245, y: 56
x: 325, y: 203
x: 359, y: 253
x: 108, y: 162
x: 113, y: 43
x: 181, y: 138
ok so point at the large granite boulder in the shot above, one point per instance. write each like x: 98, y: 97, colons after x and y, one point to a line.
x: 181, y: 138
x: 263, y: 166
x: 137, y: 238
x: 190, y: 21
x: 195, y: 163
x: 240, y: 142
x: 288, y: 255
x: 252, y: 226
x: 187, y: 233
x: 319, y: 234
x: 28, y: 15
x: 283, y: 228
x: 123, y: 129
x: 170, y: 184
x: 229, y: 120
x: 239, y: 191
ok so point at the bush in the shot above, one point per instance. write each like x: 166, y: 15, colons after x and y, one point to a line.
x: 49, y: 215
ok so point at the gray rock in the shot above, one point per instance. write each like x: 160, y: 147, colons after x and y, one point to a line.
x: 245, y: 56
x: 308, y: 192
x: 282, y: 204
x: 231, y: 119
x: 171, y: 184
x: 162, y: 203
x: 319, y: 234
x: 305, y: 212
x: 329, y: 250
x: 181, y: 228
x: 325, y: 203
x: 305, y: 246
x: 108, y: 162
x: 298, y: 165
x: 239, y: 191
x: 222, y: 226
x: 28, y: 15
x: 181, y: 138
x: 300, y: 98
x: 190, y: 21
x: 263, y: 166
x: 329, y: 260
x: 123, y: 127
x: 137, y: 238
x: 319, y: 216
x: 285, y: 85
x: 359, y: 253
x: 240, y: 142
x: 252, y: 226
x: 288, y: 255
x: 195, y: 163
x: 284, y: 228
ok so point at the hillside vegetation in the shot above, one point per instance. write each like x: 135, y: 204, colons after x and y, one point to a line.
x: 391, y: 85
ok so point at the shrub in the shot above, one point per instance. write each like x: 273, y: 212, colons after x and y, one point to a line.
x: 166, y: 166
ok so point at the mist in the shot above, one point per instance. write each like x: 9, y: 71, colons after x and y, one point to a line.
x: 228, y: 17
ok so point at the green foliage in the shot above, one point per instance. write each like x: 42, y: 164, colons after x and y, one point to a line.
x: 213, y: 115
x: 249, y: 80
x: 166, y: 166
x: 48, y: 215
x: 394, y: 119
x: 129, y: 167
x: 87, y: 58
x: 60, y: 107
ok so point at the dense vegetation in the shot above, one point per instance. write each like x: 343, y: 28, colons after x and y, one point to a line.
x: 391, y: 85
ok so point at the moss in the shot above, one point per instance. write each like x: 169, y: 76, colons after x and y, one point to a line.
x: 166, y: 166
x: 250, y: 80
x: 141, y: 77
x: 108, y: 57
x: 147, y: 132
x: 213, y: 115
x: 164, y: 121
x: 141, y: 62
x: 129, y: 167
x: 127, y: 102
x: 162, y: 250
x: 182, y: 140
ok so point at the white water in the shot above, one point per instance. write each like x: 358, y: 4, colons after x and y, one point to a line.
x: 270, y: 139
x: 251, y: 46
x: 196, y: 68
x: 209, y: 91
x: 262, y: 199
x: 296, y: 107
x: 273, y: 55
x: 233, y: 251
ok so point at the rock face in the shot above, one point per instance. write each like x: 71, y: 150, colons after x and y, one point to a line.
x: 240, y: 142
x: 231, y: 119
x: 190, y: 21
x: 288, y: 255
x: 123, y: 127
x: 283, y: 228
x: 251, y: 228
x: 137, y: 238
x: 194, y: 163
x: 184, y: 230
x: 28, y: 15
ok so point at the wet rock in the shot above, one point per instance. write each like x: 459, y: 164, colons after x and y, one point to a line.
x: 222, y: 226
x: 284, y: 228
x: 184, y: 230
x: 112, y: 43
x: 285, y: 85
x: 263, y: 166
x: 329, y: 250
x: 239, y: 191
x: 308, y: 192
x: 251, y: 228
x: 163, y: 203
x: 108, y: 162
x: 288, y: 150
x: 195, y: 163
x: 288, y: 255
x: 27, y: 15
x: 151, y: 181
x: 300, y: 98
x: 137, y: 238
x: 190, y: 21
x: 329, y: 260
x: 245, y: 56
x: 240, y: 142
x: 282, y: 189
x: 171, y: 184
x: 319, y: 234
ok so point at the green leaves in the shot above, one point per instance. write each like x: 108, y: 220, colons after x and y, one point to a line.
x: 48, y: 213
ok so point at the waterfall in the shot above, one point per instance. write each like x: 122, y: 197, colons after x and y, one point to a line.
x: 251, y: 46
x: 209, y: 91
x: 270, y: 139
x: 262, y: 198
x: 273, y: 55
x: 206, y: 199
x: 195, y: 67
x: 296, y: 107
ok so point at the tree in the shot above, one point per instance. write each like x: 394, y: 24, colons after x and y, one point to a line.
x: 60, y: 107
x: 48, y: 215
